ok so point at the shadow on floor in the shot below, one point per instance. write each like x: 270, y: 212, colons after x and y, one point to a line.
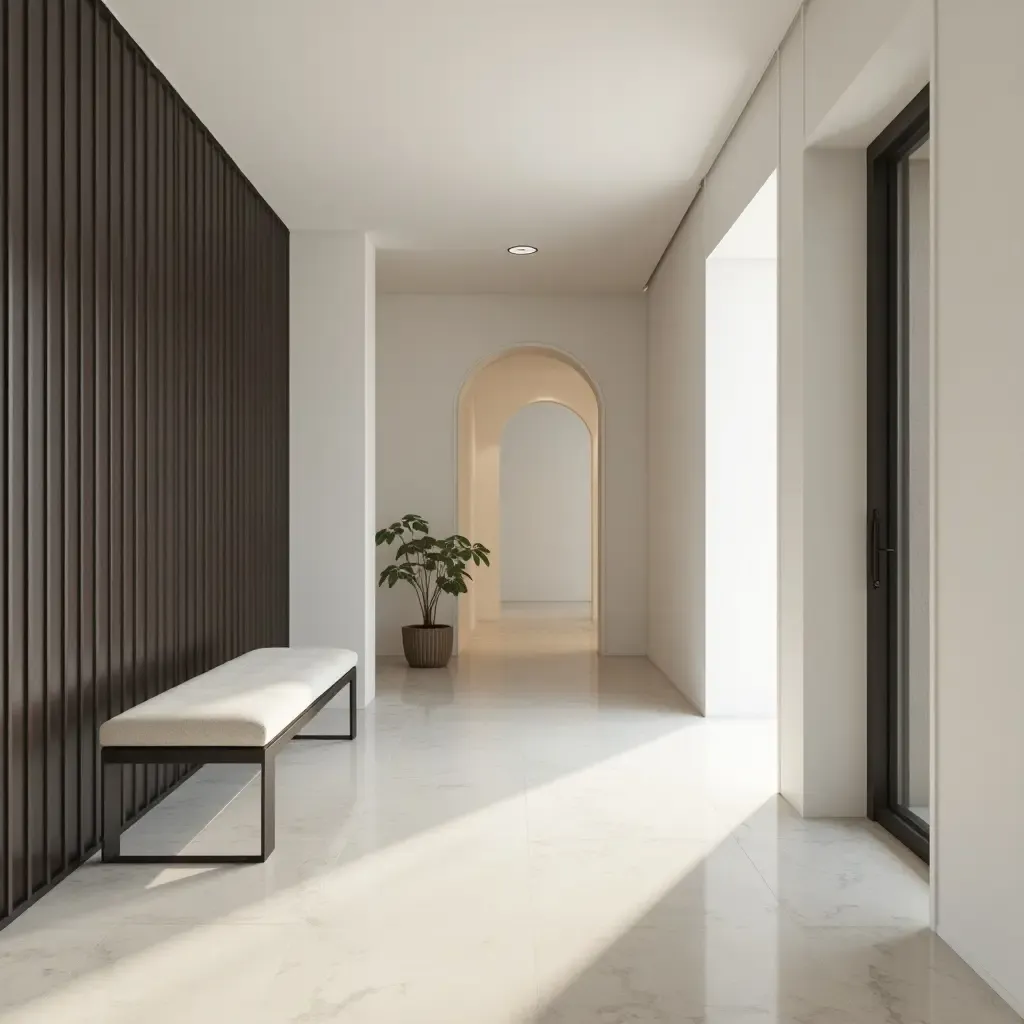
x: 339, y: 804
x: 773, y: 925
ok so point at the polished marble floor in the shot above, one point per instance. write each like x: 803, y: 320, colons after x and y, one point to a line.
x: 546, y: 837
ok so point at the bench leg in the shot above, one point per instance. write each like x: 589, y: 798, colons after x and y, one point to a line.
x: 113, y: 816
x: 268, y: 815
x: 113, y: 811
x: 351, y: 735
x: 352, y: 708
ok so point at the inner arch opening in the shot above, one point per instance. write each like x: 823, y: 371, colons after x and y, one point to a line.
x: 528, y: 488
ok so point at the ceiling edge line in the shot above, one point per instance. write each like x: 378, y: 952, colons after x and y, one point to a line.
x: 776, y: 53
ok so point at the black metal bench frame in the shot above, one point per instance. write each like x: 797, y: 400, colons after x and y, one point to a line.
x: 115, y: 758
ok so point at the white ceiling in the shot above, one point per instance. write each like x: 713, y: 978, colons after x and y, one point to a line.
x: 452, y: 129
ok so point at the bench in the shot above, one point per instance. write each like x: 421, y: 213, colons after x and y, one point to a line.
x: 242, y: 712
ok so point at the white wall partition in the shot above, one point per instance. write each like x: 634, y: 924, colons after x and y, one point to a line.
x: 677, y: 409
x: 741, y: 464
x: 546, y: 506
x: 675, y: 437
x: 332, y: 471
x: 824, y: 63
x: 976, y: 160
x: 828, y: 675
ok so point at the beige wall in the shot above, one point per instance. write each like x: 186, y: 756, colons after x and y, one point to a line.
x: 494, y: 394
x: 547, y: 497
x: 429, y: 346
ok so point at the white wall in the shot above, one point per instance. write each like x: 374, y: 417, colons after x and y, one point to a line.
x: 677, y: 402
x: 332, y: 470
x: 740, y: 500
x: 822, y: 460
x: 545, y: 506
x: 792, y: 725
x: 850, y: 67
x: 675, y: 438
x: 429, y: 345
x: 977, y: 153
x: 831, y: 616
x: 821, y: 357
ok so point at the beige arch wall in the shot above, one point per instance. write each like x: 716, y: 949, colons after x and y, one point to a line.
x: 488, y: 400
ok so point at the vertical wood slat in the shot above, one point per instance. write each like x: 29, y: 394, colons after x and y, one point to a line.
x: 139, y: 672
x: 56, y: 752
x: 71, y: 159
x: 87, y: 426
x: 36, y: 741
x: 17, y: 470
x: 101, y: 392
x: 126, y: 426
x: 7, y: 777
x: 143, y: 400
x: 115, y: 376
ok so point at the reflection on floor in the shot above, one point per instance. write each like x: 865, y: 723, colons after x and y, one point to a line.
x: 550, y: 838
x: 527, y: 628
x: 546, y: 609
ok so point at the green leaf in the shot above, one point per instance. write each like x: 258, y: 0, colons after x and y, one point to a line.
x: 444, y: 559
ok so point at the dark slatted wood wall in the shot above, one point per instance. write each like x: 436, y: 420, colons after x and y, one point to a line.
x: 143, y: 396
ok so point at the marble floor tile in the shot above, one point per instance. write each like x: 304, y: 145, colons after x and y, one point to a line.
x: 522, y: 837
x: 852, y: 877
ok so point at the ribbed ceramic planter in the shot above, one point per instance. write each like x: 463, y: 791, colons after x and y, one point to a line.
x: 427, y: 646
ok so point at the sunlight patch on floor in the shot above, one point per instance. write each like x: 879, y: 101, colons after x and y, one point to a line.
x: 552, y: 838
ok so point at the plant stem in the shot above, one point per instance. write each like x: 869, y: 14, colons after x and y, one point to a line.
x: 421, y: 594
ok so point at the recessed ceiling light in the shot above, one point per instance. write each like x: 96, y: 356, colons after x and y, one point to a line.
x: 522, y: 250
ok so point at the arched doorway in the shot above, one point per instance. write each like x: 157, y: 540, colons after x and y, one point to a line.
x: 545, y: 513
x: 488, y: 401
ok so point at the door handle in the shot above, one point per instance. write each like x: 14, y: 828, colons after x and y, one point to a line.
x: 877, y: 549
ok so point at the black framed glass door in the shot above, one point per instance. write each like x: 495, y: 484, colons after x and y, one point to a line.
x: 899, y: 459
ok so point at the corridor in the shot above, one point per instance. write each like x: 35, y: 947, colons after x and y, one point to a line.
x: 525, y: 629
x: 547, y: 837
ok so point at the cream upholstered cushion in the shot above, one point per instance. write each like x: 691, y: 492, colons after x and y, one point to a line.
x: 245, y: 702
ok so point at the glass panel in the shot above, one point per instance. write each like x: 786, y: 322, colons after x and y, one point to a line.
x: 913, y: 468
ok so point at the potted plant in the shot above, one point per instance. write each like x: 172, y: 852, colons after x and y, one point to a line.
x: 431, y: 567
